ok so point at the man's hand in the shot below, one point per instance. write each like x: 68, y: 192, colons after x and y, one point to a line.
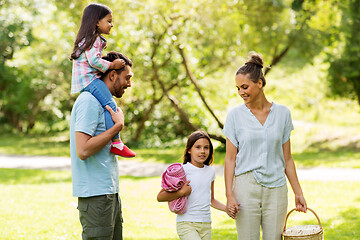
x: 117, y: 117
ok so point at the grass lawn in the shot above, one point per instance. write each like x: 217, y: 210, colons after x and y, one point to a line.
x: 313, y: 145
x: 38, y: 204
x: 57, y: 146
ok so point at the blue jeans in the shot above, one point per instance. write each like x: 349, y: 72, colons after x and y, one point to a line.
x: 102, y: 93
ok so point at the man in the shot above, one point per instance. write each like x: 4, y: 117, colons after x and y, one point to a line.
x: 95, y: 174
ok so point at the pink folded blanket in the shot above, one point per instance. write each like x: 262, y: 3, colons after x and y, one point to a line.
x: 173, y: 179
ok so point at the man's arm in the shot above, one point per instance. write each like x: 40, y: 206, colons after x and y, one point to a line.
x: 87, y: 145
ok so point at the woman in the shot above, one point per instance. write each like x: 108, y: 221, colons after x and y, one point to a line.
x: 258, y: 155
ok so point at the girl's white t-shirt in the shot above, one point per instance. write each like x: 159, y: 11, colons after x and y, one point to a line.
x: 199, y: 201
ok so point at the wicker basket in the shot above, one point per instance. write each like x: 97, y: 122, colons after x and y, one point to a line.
x: 304, y: 232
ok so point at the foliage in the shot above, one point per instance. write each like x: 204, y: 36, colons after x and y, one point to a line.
x: 15, y: 33
x: 344, y: 73
x: 184, y: 52
x: 35, y: 69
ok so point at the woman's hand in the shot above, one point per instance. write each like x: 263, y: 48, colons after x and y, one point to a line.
x: 232, y: 207
x: 300, y: 203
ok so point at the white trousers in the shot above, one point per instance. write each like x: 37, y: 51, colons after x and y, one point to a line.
x: 194, y: 230
x: 259, y: 207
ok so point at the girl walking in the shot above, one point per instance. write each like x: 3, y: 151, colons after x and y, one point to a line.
x: 258, y: 156
x: 88, y: 65
x: 195, y: 223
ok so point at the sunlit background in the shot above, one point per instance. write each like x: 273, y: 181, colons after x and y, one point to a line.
x: 185, y: 56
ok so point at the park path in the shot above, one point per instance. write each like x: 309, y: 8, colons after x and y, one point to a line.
x: 149, y: 169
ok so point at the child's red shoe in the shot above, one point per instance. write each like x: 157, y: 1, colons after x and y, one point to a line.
x: 125, y: 152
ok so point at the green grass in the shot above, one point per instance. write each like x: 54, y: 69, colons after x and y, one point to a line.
x: 314, y: 154
x: 38, y: 204
x: 19, y: 144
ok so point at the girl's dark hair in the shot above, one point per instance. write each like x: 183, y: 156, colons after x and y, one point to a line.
x: 253, y: 68
x: 191, y: 141
x: 88, y: 28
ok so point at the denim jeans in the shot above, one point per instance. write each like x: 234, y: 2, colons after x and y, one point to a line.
x: 102, y: 93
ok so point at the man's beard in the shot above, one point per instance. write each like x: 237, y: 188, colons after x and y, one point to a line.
x: 118, y: 91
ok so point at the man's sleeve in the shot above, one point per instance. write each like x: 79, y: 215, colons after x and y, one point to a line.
x: 87, y: 115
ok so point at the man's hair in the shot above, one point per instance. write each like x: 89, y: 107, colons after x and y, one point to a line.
x: 111, y: 56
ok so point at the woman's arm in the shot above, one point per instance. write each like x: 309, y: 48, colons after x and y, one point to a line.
x: 165, y: 196
x: 291, y: 174
x: 229, y: 170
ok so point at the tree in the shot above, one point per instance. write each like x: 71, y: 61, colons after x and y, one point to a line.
x: 344, y: 72
x: 36, y: 70
x: 180, y: 50
x: 169, y: 31
x: 15, y: 34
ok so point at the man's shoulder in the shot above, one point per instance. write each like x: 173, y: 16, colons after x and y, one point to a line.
x: 86, y: 104
x: 86, y: 98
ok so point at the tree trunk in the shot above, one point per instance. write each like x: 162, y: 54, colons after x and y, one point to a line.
x: 193, y: 80
x: 145, y: 118
x: 277, y: 58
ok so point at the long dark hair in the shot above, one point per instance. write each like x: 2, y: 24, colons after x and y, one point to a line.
x: 88, y: 28
x: 191, y: 141
x: 253, y: 68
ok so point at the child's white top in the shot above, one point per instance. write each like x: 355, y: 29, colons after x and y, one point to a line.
x: 199, y: 201
x: 89, y: 65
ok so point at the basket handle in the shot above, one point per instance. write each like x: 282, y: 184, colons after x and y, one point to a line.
x: 317, y: 217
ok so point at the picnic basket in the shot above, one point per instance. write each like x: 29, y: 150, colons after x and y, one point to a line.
x: 304, y: 232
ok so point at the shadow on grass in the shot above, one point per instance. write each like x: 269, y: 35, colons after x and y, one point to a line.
x: 160, y: 155
x: 348, y: 229
x: 150, y: 237
x: 136, y: 178
x: 37, y: 176
x: 344, y: 226
x: 327, y: 157
x: 33, y: 176
x: 171, y: 155
x: 227, y: 230
x: 330, y: 152
x: 34, y: 145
